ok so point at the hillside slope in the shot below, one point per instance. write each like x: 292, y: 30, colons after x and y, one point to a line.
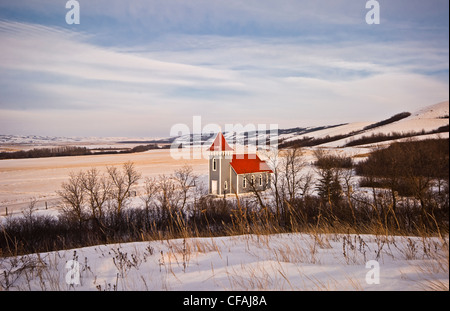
x: 426, y: 119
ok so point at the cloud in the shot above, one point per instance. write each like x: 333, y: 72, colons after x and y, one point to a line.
x: 139, y: 67
x: 34, y: 48
x: 118, y: 22
x: 78, y: 69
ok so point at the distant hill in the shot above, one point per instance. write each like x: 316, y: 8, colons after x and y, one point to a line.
x: 425, y: 122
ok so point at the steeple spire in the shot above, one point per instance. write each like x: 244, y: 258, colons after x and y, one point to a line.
x: 220, y: 144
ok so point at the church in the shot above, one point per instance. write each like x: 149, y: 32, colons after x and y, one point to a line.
x: 231, y: 173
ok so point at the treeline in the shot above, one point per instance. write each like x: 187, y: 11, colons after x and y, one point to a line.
x: 46, y: 152
x: 408, y: 168
x: 96, y: 207
x: 371, y: 139
x: 311, y: 142
x: 68, y: 151
x: 392, y: 119
x: 381, y: 137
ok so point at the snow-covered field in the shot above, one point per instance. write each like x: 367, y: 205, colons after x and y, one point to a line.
x: 248, y: 262
x: 427, y: 119
x: 27, y: 142
x: 24, y: 179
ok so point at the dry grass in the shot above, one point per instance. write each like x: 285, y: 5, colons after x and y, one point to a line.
x: 272, y: 262
x: 328, y: 229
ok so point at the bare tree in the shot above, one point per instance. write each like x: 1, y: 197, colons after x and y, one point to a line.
x: 347, y: 176
x: 167, y: 195
x: 150, y: 189
x: 29, y: 211
x: 296, y: 180
x: 97, y: 189
x: 73, y: 197
x: 186, y: 180
x: 255, y: 190
x: 306, y: 183
x: 290, y: 178
x: 121, y: 183
x: 274, y: 162
x: 292, y: 168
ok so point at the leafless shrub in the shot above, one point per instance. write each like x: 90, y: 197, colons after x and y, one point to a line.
x: 13, y: 268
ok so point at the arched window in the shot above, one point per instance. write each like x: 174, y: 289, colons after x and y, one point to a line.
x: 253, y: 180
x: 225, y: 185
x: 214, y: 165
x: 260, y: 179
x: 244, y: 182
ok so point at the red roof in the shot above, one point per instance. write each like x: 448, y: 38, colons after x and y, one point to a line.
x: 220, y: 144
x: 248, y: 163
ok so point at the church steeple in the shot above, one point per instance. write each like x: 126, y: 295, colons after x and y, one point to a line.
x: 220, y: 155
x: 220, y: 144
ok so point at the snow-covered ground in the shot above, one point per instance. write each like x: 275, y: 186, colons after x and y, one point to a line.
x: 427, y: 119
x: 37, y: 140
x: 332, y: 131
x: 250, y: 262
x: 247, y: 262
x: 24, y: 179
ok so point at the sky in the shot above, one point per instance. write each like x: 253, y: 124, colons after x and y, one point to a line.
x: 135, y: 68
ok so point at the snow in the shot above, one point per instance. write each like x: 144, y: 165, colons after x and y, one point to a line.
x: 426, y: 119
x: 50, y: 140
x: 27, y: 142
x: 333, y: 131
x: 370, y: 147
x: 440, y: 110
x: 297, y: 261
x: 246, y: 262
x: 21, y: 179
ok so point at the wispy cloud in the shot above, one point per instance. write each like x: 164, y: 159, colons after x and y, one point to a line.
x: 138, y: 67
